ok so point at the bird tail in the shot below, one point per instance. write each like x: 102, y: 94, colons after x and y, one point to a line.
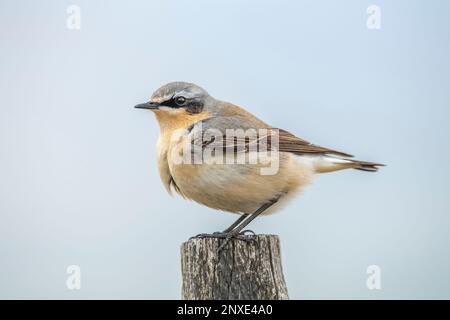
x: 366, y: 166
x: 328, y: 163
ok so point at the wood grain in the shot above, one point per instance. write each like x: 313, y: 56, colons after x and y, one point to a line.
x: 242, y: 270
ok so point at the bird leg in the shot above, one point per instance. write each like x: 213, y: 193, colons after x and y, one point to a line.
x: 235, y: 224
x: 237, y: 232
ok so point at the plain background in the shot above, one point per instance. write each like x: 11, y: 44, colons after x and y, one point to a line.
x: 79, y: 183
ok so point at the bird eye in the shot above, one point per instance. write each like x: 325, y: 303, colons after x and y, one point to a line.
x: 180, y: 100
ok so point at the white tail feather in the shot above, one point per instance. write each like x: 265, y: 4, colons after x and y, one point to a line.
x: 326, y: 163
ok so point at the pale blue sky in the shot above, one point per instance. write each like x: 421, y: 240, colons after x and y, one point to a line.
x: 79, y: 183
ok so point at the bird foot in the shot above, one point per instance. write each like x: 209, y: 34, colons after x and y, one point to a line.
x: 216, y: 234
x: 246, y: 235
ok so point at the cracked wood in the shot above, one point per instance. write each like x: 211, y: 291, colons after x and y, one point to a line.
x: 242, y: 270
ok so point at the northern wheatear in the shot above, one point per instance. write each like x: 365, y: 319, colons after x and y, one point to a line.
x: 195, y: 124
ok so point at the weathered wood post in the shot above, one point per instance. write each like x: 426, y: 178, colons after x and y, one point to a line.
x: 242, y: 270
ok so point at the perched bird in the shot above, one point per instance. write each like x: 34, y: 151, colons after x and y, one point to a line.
x: 186, y: 112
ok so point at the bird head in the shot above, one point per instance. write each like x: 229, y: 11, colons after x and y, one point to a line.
x: 178, y: 98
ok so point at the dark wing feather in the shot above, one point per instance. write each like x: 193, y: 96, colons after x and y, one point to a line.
x: 287, y: 142
x: 290, y: 143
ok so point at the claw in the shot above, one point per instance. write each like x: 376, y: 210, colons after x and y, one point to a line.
x: 216, y: 234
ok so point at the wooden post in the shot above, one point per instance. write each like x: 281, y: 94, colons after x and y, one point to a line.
x: 242, y: 270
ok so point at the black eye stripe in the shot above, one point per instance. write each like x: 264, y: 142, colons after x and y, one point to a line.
x: 192, y: 105
x: 175, y: 102
x: 170, y: 103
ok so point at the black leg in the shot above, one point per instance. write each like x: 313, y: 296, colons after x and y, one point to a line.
x: 236, y: 223
x: 253, y: 216
x: 236, y: 232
